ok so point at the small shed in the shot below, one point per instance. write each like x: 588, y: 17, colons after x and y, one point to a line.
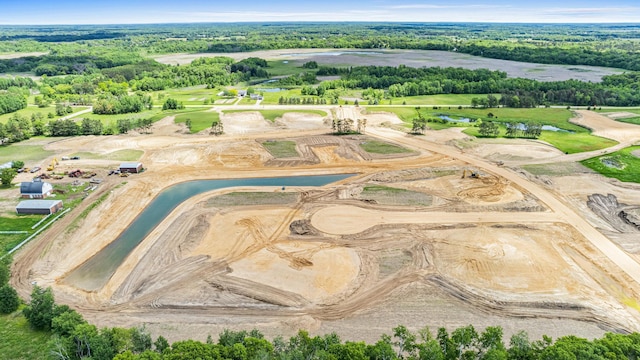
x: 40, y: 207
x: 36, y: 189
x: 242, y: 93
x: 132, y: 167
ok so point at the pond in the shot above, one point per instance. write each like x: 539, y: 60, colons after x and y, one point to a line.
x: 461, y: 120
x: 94, y: 273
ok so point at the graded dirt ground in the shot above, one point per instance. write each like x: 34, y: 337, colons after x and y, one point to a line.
x: 411, y: 58
x: 544, y: 253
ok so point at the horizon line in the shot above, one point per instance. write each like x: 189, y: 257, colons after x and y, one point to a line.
x: 327, y: 22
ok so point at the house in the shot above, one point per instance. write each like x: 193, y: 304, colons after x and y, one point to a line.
x: 242, y: 93
x: 37, y: 189
x: 131, y: 167
x: 255, y: 97
x: 38, y: 207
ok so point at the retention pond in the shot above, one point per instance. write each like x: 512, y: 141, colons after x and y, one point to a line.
x: 94, y: 273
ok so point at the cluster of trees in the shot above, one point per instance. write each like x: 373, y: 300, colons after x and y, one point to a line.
x: 528, y: 130
x: 252, y: 67
x: 172, y: 104
x: 303, y: 101
x: 615, y: 90
x: 489, y: 129
x: 74, y: 338
x: 299, y: 79
x: 122, y: 104
x: 9, y: 300
x: 11, y: 102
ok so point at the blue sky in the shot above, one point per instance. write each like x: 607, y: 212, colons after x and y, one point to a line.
x: 162, y: 11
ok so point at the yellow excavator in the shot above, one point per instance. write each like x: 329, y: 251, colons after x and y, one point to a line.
x: 472, y: 174
x: 53, y: 164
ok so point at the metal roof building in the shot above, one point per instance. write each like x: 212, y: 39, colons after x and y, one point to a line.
x: 42, y: 207
x: 131, y: 167
x: 35, y: 190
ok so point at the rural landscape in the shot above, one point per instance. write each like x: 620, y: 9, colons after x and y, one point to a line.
x: 351, y: 190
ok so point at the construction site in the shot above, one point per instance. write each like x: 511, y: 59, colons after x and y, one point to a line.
x: 434, y: 235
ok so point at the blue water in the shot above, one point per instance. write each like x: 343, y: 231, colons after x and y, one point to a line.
x: 95, y: 272
x: 461, y: 120
x: 268, y: 90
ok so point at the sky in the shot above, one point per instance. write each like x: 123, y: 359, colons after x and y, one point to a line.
x: 28, y: 12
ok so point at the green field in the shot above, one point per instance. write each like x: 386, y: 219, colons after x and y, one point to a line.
x: 444, y: 99
x: 272, y: 115
x: 282, y: 68
x: 200, y: 120
x: 379, y: 147
x: 196, y: 95
x: 21, y: 151
x: 30, y: 110
x: 119, y: 155
x: 111, y: 120
x: 622, y: 165
x: 281, y: 149
x: 19, y: 341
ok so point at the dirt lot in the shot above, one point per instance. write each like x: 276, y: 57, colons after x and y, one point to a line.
x: 505, y: 248
x: 412, y: 58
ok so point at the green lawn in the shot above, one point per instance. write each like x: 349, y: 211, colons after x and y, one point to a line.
x: 196, y: 95
x: 111, y: 120
x: 19, y: 341
x: 621, y: 165
x: 200, y: 120
x: 281, y: 149
x: 272, y: 115
x: 30, y: 110
x: 272, y: 98
x: 569, y: 143
x: 119, y: 155
x: 379, y: 147
x: 23, y: 152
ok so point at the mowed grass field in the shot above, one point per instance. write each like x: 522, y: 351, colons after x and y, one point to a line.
x: 200, y: 120
x: 623, y: 165
x: 30, y: 110
x: 196, y: 95
x: 272, y: 115
x: 19, y: 341
x: 444, y: 99
x: 24, y: 152
x: 578, y: 139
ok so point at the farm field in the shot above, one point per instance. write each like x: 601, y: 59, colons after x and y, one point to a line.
x: 424, y: 230
x: 412, y: 58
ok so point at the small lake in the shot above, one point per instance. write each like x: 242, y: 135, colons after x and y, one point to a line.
x: 269, y: 90
x: 94, y: 273
x: 523, y: 127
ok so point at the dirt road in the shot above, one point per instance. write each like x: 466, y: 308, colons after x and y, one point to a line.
x: 563, y: 212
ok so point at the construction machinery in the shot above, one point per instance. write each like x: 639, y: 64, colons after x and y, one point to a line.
x: 53, y: 164
x: 75, y: 173
x: 472, y: 174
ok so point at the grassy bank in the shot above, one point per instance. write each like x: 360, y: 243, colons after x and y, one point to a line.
x: 622, y: 165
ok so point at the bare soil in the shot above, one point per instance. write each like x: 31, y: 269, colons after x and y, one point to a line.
x: 505, y: 248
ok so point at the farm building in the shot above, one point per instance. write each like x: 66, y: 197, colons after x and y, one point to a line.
x: 242, y: 93
x: 41, y: 207
x: 256, y: 97
x: 36, y: 189
x: 133, y: 167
